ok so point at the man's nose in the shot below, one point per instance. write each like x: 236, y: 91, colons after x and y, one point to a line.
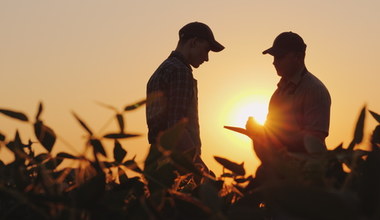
x: 274, y: 62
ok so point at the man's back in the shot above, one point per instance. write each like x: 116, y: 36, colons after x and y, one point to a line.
x: 172, y: 96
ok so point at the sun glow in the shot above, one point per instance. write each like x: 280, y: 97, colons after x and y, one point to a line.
x: 248, y: 106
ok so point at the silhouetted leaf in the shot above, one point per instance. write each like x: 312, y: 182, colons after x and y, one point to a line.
x: 135, y: 106
x: 234, y: 167
x: 66, y: 155
x: 53, y: 163
x: 123, y: 178
x: 109, y: 164
x: 359, y: 130
x: 42, y: 157
x: 120, y: 121
x: 131, y: 164
x: 120, y: 136
x: 39, y: 111
x: 13, y: 114
x: 2, y: 137
x: 241, y: 180
x: 98, y: 146
x: 118, y: 152
x: 17, y: 147
x: 107, y: 106
x: 229, y: 175
x: 83, y: 124
x: 375, y: 116
x: 45, y: 135
x: 375, y: 139
x: 339, y: 148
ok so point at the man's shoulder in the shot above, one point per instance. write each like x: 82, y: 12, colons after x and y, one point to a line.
x: 313, y: 82
x: 313, y: 86
x: 172, y: 65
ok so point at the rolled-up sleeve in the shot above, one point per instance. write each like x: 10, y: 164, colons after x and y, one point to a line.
x: 317, y: 110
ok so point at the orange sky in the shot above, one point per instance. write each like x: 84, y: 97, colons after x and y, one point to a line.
x: 70, y: 54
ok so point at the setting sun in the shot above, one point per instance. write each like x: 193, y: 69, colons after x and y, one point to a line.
x: 246, y: 106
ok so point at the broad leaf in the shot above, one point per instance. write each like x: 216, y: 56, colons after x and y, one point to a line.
x: 118, y: 152
x: 45, y: 135
x: 375, y: 139
x: 241, y: 180
x: 53, y: 163
x: 17, y: 147
x: 39, y: 111
x: 375, y: 116
x: 107, y: 106
x: 120, y: 121
x: 98, y: 146
x: 135, y: 106
x: 229, y: 175
x: 120, y: 135
x: 339, y: 148
x: 123, y: 178
x: 13, y: 114
x: 234, y: 167
x: 359, y: 130
x: 131, y: 164
x: 2, y: 137
x: 42, y: 157
x: 83, y: 124
x: 66, y: 155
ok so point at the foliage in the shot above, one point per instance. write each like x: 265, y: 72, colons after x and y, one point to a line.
x: 291, y: 186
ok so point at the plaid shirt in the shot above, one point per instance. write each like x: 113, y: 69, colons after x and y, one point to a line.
x: 172, y: 96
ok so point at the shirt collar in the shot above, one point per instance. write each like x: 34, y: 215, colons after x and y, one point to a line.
x: 294, y: 80
x: 180, y: 57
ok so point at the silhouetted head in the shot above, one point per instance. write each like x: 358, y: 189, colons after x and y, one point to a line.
x: 286, y: 42
x: 196, y: 40
x: 288, y: 51
x: 201, y: 31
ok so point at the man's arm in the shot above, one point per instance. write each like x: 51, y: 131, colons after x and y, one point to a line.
x: 179, y: 97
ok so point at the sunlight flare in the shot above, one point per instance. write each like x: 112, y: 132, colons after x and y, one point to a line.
x: 248, y: 106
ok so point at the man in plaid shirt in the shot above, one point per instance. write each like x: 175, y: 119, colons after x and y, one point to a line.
x: 172, y: 97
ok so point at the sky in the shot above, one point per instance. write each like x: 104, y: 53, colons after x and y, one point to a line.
x: 72, y: 54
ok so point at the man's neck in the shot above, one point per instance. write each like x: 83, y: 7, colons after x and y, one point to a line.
x: 184, y: 53
x: 297, y: 74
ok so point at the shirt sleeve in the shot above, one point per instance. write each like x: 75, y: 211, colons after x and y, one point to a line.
x: 179, y: 94
x: 317, y: 110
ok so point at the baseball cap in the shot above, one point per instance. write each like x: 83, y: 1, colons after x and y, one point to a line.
x: 286, y: 42
x: 200, y: 30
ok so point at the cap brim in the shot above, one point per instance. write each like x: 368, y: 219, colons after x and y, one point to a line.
x: 216, y: 46
x: 272, y: 51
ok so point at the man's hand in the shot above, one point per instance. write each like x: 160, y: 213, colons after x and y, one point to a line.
x: 254, y: 129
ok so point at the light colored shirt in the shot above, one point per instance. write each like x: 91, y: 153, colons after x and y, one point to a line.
x: 299, y: 106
